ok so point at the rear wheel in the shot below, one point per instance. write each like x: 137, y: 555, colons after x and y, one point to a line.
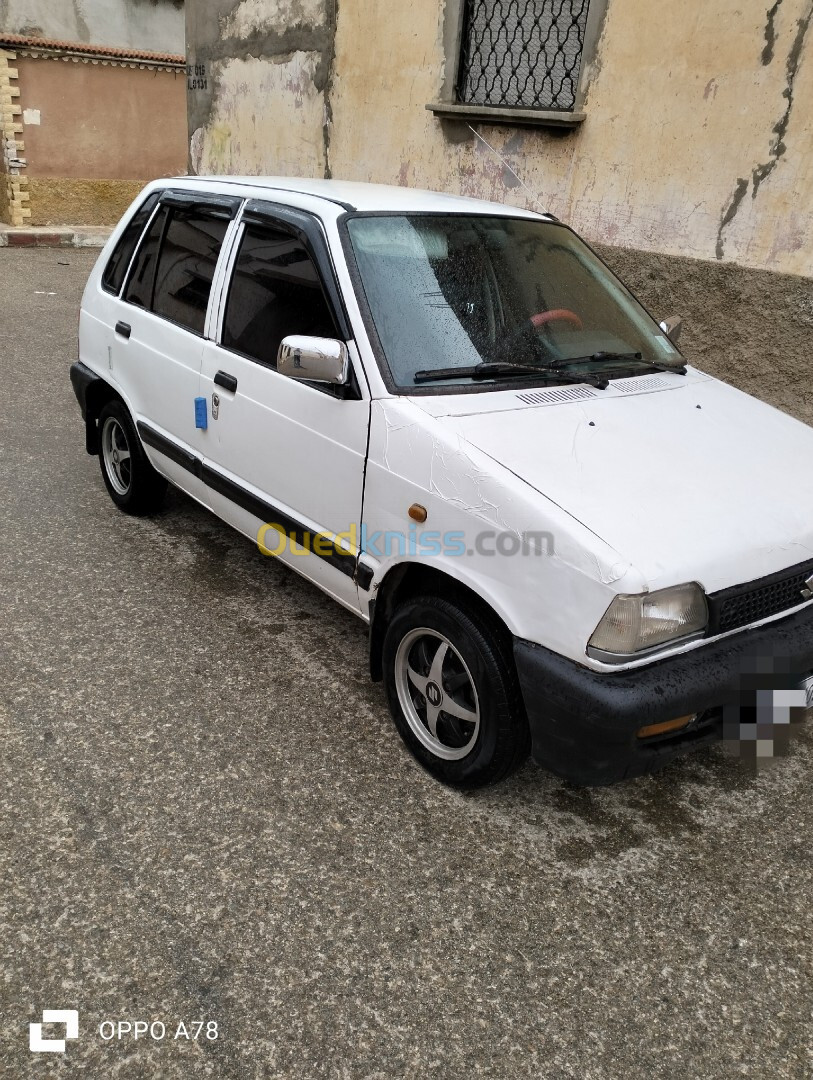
x: 453, y: 693
x: 133, y: 484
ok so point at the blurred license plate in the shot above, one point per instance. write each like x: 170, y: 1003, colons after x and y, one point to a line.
x: 808, y: 686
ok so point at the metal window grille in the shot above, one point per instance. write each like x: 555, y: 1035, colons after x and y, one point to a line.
x: 522, y: 53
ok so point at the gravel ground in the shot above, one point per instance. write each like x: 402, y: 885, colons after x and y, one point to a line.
x: 207, y: 816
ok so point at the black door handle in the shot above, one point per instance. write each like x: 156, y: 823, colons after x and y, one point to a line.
x: 124, y: 329
x: 228, y: 382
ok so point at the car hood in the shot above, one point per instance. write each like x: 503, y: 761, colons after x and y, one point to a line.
x: 696, y: 481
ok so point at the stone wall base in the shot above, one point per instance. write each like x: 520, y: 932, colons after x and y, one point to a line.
x: 61, y: 201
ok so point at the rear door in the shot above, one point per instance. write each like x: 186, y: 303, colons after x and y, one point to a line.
x: 101, y: 308
x: 160, y: 322
x: 279, y: 451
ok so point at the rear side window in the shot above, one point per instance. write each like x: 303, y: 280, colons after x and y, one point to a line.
x: 142, y: 278
x: 116, y: 268
x: 186, y: 267
x: 275, y: 291
x: 173, y: 271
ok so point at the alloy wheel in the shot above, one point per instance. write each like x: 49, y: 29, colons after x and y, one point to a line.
x: 437, y: 694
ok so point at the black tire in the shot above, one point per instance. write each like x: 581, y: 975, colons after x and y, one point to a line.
x: 494, y: 745
x: 138, y: 489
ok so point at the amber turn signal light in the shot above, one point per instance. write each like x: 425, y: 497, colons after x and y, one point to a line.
x: 665, y: 726
x: 417, y: 513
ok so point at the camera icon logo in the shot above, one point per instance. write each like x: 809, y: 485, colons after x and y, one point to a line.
x: 68, y: 1017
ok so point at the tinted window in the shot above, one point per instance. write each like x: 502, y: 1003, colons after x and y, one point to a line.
x: 186, y: 266
x: 275, y: 292
x: 120, y: 259
x: 140, y: 282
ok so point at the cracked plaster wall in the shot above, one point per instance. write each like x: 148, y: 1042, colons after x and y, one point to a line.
x: 697, y: 141
x: 259, y: 86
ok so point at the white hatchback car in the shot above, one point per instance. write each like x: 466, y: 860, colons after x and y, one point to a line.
x: 455, y: 420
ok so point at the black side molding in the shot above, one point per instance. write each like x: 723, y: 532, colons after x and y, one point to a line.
x: 345, y: 561
x: 364, y: 574
x: 169, y: 448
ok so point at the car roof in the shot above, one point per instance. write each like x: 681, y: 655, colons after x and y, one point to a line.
x: 352, y: 195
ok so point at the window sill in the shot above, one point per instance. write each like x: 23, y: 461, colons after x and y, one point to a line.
x: 490, y: 115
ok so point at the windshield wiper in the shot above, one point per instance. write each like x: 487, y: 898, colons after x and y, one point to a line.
x: 600, y: 357
x: 497, y: 370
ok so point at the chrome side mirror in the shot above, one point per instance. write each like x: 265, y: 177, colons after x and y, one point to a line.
x: 314, y: 359
x: 672, y: 327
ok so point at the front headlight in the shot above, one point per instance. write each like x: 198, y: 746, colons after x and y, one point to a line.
x: 635, y: 624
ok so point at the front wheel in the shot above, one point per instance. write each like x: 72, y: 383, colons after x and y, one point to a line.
x: 453, y: 693
x: 132, y: 483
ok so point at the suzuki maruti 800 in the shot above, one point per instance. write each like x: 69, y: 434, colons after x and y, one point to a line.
x: 453, y: 418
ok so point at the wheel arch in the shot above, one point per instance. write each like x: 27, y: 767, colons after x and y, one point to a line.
x: 97, y: 395
x: 409, y: 579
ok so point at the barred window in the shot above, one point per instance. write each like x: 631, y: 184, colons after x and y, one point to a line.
x: 523, y: 54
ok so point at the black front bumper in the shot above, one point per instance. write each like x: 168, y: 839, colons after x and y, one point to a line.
x: 584, y: 723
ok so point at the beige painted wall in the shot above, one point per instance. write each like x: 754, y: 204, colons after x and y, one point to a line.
x: 93, y: 134
x: 101, y: 121
x: 683, y: 112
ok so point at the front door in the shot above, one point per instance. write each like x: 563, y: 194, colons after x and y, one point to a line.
x: 279, y: 452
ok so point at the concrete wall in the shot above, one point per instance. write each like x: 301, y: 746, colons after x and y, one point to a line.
x: 697, y: 141
x: 145, y: 25
x: 259, y: 94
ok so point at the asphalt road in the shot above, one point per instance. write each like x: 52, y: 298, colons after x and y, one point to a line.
x: 206, y: 815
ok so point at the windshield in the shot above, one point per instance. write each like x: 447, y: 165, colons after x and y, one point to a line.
x: 455, y: 291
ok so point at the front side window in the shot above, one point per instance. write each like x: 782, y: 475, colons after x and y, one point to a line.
x: 521, y: 53
x: 453, y: 297
x: 275, y: 291
x: 173, y: 271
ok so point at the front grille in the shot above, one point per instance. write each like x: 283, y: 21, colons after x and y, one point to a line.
x: 744, y: 604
